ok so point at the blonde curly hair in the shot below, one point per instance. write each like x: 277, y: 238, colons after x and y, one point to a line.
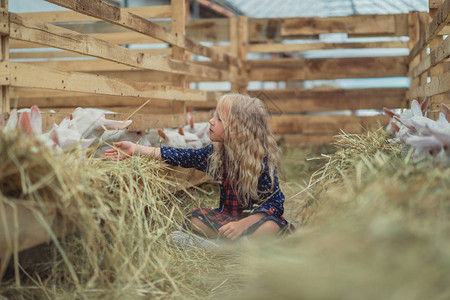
x: 247, y: 142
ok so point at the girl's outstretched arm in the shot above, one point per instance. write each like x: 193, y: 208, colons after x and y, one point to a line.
x: 126, y: 149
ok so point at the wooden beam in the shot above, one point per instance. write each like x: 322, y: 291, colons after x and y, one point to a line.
x: 441, y: 19
x: 54, y: 36
x: 277, y: 29
x: 63, y: 101
x: 23, y: 75
x: 437, y: 55
x: 297, y: 139
x: 147, y: 12
x: 439, y: 84
x: 118, y: 16
x: 238, y: 44
x: 327, y: 68
x: 5, y: 75
x: 178, y: 20
x: 140, y: 121
x: 367, y: 24
x: 272, y: 48
x: 206, y: 30
x: 310, y: 100
x: 324, y: 124
x: 120, y: 38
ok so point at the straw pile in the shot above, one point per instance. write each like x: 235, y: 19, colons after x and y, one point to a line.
x: 378, y: 229
x: 111, y: 218
x: 371, y: 225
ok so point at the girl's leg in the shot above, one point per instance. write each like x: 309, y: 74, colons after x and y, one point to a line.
x: 202, y: 228
x: 267, y: 228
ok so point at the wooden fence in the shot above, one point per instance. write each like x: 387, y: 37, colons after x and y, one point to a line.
x: 96, y: 70
x: 428, y: 60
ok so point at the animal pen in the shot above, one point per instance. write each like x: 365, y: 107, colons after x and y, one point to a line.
x: 155, y: 87
x: 96, y: 71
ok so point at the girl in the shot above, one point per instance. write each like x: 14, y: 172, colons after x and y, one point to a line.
x: 244, y: 157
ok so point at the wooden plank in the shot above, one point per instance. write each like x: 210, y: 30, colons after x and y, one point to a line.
x: 120, y: 38
x: 64, y: 101
x: 435, y: 105
x: 324, y: 124
x: 401, y: 28
x: 147, y: 12
x: 118, y: 16
x: 48, y: 99
x: 140, y: 121
x: 64, y: 39
x: 242, y: 45
x: 327, y: 68
x: 68, y: 54
x: 440, y: 20
x: 5, y: 75
x: 126, y: 72
x: 23, y: 75
x: 307, y: 100
x: 367, y: 24
x: 135, y: 75
x: 438, y: 85
x: 269, y: 29
x: 294, y: 139
x: 4, y: 22
x: 271, y: 48
x: 178, y: 20
x: 206, y: 30
x: 438, y: 55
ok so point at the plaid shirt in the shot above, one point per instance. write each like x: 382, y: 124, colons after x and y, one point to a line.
x: 270, y: 201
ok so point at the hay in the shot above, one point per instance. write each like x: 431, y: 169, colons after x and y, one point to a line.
x: 372, y: 225
x: 117, y: 216
x: 379, y: 230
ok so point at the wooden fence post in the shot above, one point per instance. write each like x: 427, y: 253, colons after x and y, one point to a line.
x: 178, y: 20
x: 417, y: 23
x: 238, y: 48
x: 4, y: 57
x: 436, y: 100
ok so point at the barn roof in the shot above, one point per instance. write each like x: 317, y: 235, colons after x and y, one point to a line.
x: 324, y: 8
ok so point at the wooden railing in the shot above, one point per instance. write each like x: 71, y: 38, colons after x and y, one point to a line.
x: 104, y: 79
x: 96, y: 70
x: 429, y: 66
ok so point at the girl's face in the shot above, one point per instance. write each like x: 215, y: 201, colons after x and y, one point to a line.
x: 216, y: 129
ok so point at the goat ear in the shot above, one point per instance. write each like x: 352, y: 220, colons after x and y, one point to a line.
x: 395, y: 126
x: 36, y: 120
x: 12, y: 121
x: 446, y: 110
x: 25, y: 123
x: 113, y: 124
x: 415, y: 108
x: 162, y: 134
x: 191, y: 122
x: 389, y: 112
x: 54, y: 138
x: 424, y: 104
x: 405, y: 123
x: 180, y: 130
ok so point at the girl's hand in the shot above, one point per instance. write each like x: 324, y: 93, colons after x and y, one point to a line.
x: 123, y: 150
x: 232, y: 230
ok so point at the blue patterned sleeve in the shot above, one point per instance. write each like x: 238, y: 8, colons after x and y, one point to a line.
x: 187, y: 158
x: 272, y: 196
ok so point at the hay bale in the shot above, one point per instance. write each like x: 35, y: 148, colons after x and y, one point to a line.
x: 119, y: 215
x: 378, y: 228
